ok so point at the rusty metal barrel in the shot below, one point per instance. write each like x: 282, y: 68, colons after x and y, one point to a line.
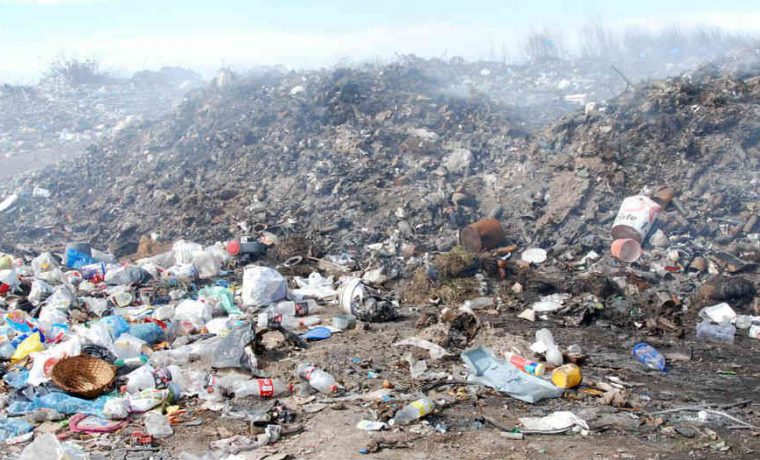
x: 482, y: 235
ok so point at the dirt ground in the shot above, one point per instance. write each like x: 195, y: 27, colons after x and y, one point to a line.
x: 14, y: 165
x: 701, y: 375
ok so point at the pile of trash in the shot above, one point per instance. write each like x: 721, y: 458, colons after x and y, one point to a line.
x: 59, y: 117
x: 378, y: 245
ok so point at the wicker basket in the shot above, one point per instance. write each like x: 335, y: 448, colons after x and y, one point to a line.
x: 83, y: 375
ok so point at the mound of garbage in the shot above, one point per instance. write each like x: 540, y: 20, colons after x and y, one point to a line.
x: 289, y: 246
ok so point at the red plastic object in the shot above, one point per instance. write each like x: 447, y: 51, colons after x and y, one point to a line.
x: 233, y: 247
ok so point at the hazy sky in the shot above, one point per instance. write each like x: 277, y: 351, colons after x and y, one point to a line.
x: 128, y: 35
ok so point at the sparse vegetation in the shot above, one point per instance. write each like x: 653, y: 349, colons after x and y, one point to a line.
x: 76, y: 71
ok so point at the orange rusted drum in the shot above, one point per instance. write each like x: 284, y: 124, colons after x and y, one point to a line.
x: 482, y: 235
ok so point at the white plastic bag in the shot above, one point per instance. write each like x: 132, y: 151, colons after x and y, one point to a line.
x: 262, y: 286
x: 184, y: 251
x: 197, y: 313
x: 42, y: 361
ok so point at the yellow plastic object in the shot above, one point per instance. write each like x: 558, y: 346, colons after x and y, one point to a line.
x: 30, y: 345
x: 6, y: 262
x: 567, y: 376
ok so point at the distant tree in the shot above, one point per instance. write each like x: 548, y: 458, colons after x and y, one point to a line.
x: 542, y: 46
x: 76, y: 71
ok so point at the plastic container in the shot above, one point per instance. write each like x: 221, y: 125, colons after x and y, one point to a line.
x: 526, y: 365
x: 567, y: 376
x: 413, y: 411
x: 649, y: 356
x: 317, y: 378
x: 261, y: 388
x: 344, y: 322
x: 719, y: 333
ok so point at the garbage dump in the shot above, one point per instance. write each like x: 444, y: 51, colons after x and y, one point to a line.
x: 409, y: 272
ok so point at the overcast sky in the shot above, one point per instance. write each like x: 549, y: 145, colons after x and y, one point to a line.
x: 129, y: 35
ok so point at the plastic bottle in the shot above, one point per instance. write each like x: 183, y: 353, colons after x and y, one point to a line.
x: 288, y: 322
x: 261, y: 388
x: 526, y: 365
x: 146, y: 400
x: 136, y: 360
x: 290, y: 308
x: 317, y: 378
x: 413, y: 411
x: 649, y: 356
x: 721, y: 333
x: 146, y: 377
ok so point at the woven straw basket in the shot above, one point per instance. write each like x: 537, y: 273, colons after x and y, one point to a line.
x: 83, y: 375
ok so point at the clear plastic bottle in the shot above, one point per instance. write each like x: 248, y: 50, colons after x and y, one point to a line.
x: 261, y: 388
x: 317, y: 378
x: 291, y: 308
x: 413, y: 411
x: 721, y: 333
x: 649, y: 356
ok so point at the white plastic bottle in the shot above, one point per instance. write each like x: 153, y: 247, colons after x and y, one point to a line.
x: 317, y: 378
x: 288, y: 322
x: 413, y: 411
x: 291, y: 308
x: 261, y: 388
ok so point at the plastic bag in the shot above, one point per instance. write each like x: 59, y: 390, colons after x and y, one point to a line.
x: 39, y: 292
x: 127, y: 346
x: 76, y: 259
x: 29, y: 345
x: 61, y: 402
x: 314, y: 287
x: 48, y: 447
x: 12, y: 427
x: 44, y: 263
x: 126, y: 275
x: 184, y: 251
x: 62, y: 298
x: 262, y: 286
x: 183, y: 273
x: 231, y: 353
x: 44, y: 361
x: 17, y: 379
x: 116, y: 408
x: 219, y: 298
x: 195, y: 312
x: 151, y: 333
x: 486, y: 369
